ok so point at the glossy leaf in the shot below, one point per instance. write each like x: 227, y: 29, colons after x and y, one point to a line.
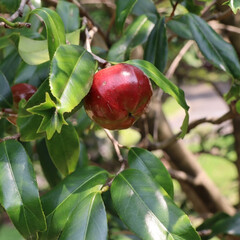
x: 36, y: 51
x: 213, y: 47
x: 28, y: 127
x: 83, y: 156
x: 156, y: 49
x: 136, y: 34
x: 123, y: 9
x: 64, y: 149
x: 18, y: 190
x: 5, y: 92
x: 50, y: 171
x: 88, y: 221
x: 69, y: 13
x: 179, y: 26
x: 167, y: 86
x: 234, y: 5
x: 147, y: 211
x: 54, y: 27
x: 146, y: 162
x: 71, y: 76
x: 61, y: 202
x: 144, y: 7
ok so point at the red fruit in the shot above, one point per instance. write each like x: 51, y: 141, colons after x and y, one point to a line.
x: 118, y: 96
x: 22, y: 91
x: 19, y: 91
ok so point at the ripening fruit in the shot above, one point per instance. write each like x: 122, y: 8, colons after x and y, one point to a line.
x: 19, y: 91
x: 118, y: 96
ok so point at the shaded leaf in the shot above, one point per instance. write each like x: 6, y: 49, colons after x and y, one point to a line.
x: 88, y: 221
x: 54, y: 27
x: 192, y: 6
x: 69, y: 13
x: 123, y: 9
x: 64, y: 149
x: 71, y: 76
x: 146, y: 162
x: 213, y: 47
x: 50, y: 171
x: 5, y: 92
x: 136, y: 34
x: 60, y: 203
x: 9, y: 6
x: 147, y: 211
x: 156, y: 49
x: 145, y: 7
x: 179, y: 26
x: 18, y: 190
x: 167, y: 86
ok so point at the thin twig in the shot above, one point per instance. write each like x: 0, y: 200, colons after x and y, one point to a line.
x: 173, y: 11
x: 89, y: 36
x: 219, y: 26
x: 207, y: 8
x: 178, y: 58
x: 7, y: 24
x: 19, y: 12
x: 84, y: 13
x: 16, y: 136
x: 182, y: 176
x: 116, y: 145
x: 219, y: 16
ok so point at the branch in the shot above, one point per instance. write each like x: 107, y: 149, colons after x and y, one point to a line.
x: 89, y: 36
x: 182, y: 176
x: 16, y: 136
x: 178, y: 58
x: 173, y: 11
x: 116, y: 145
x: 166, y: 143
x: 7, y: 24
x: 19, y: 12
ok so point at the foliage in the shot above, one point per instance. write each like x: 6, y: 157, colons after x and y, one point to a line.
x: 84, y: 201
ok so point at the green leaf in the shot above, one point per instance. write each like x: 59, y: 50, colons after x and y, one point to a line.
x: 37, y: 51
x: 5, y: 92
x: 123, y: 9
x: 149, y: 164
x: 64, y: 149
x: 33, y: 52
x: 83, y: 156
x: 156, y: 49
x: 91, y: 215
x: 50, y: 171
x: 234, y: 5
x: 71, y: 76
x: 9, y: 6
x: 60, y: 203
x: 18, y: 190
x: 70, y: 15
x: 52, y: 120
x: 147, y: 211
x: 192, y: 6
x: 28, y: 126
x: 167, y: 86
x: 54, y: 26
x: 213, y: 47
x: 145, y: 7
x: 136, y: 34
x: 179, y: 26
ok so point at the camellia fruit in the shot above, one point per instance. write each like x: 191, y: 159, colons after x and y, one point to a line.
x: 19, y: 91
x: 118, y: 96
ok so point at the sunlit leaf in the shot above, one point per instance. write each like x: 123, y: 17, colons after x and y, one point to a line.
x: 18, y: 190
x: 147, y: 211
